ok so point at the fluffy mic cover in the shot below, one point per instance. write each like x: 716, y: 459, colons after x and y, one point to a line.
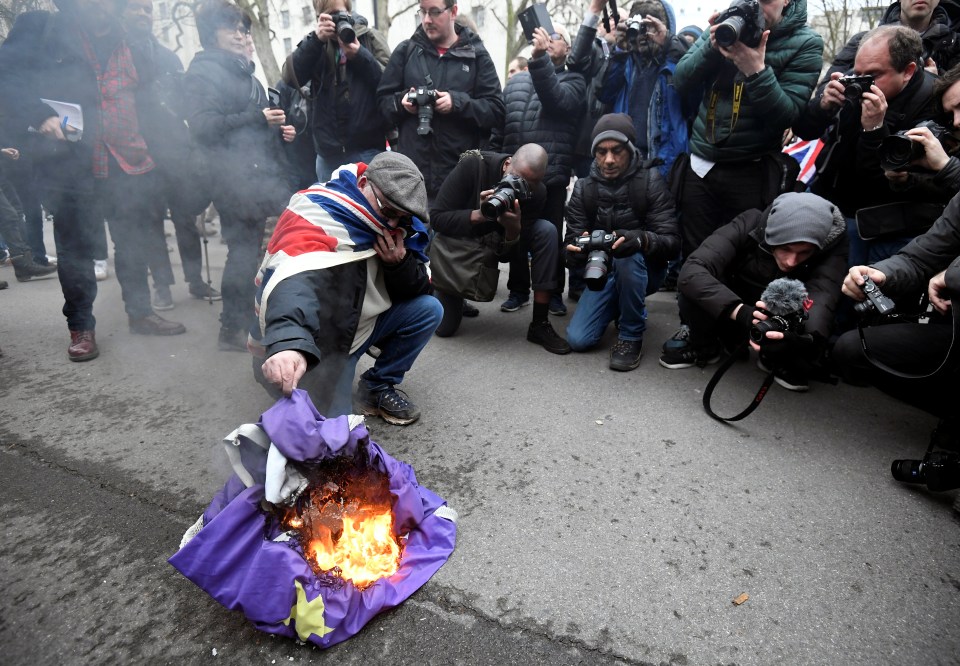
x: 784, y: 296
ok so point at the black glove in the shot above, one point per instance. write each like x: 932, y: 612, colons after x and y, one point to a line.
x: 632, y: 243
x: 745, y: 316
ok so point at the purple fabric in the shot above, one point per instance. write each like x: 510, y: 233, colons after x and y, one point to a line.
x: 232, y: 560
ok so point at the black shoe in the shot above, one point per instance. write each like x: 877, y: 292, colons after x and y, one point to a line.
x: 389, y: 404
x: 154, y: 324
x: 625, y: 355
x: 543, y: 334
x: 26, y: 270
x: 232, y: 339
x: 787, y: 378
x: 469, y: 310
x: 688, y: 356
x: 204, y: 292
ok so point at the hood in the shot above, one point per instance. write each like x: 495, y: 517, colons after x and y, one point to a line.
x: 837, y: 230
x: 794, y: 18
x: 465, y: 46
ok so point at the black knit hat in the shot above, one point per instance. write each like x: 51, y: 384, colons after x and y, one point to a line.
x: 616, y: 126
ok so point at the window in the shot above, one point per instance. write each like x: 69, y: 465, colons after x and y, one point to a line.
x: 162, y: 7
x: 287, y: 45
x: 308, y: 17
x: 285, y: 19
x: 479, y: 15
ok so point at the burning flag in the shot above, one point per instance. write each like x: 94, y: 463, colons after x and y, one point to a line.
x: 319, y: 529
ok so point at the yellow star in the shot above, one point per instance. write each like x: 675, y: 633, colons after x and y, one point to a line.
x: 308, y: 615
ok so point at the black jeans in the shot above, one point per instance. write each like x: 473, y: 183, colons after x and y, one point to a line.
x: 242, y: 234
x: 11, y: 219
x: 519, y: 277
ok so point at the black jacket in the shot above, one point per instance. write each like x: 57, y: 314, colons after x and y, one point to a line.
x: 734, y: 265
x: 224, y: 105
x: 544, y: 105
x: 467, y: 72
x: 343, y: 98
x: 848, y: 168
x: 659, y: 233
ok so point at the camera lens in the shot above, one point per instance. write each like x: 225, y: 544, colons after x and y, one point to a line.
x: 728, y: 32
x: 595, y: 272
x: 907, y: 471
x: 346, y: 33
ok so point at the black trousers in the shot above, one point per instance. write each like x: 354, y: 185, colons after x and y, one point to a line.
x: 519, y: 278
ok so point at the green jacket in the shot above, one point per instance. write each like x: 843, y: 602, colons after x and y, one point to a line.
x: 771, y: 101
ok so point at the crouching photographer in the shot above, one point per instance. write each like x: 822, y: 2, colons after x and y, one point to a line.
x: 488, y: 203
x: 913, y: 362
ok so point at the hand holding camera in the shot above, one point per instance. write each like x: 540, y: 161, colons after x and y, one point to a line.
x: 855, y: 278
x: 738, y: 33
x: 541, y: 40
x: 339, y: 25
x: 938, y: 293
x: 926, y: 149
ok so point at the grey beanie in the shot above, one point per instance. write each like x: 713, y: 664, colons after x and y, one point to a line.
x: 616, y: 126
x: 400, y: 181
x: 797, y: 217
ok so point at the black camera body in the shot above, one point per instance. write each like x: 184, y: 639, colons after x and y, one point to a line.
x: 939, y: 470
x: 344, y: 23
x: 898, y: 150
x: 635, y: 28
x: 424, y: 98
x: 876, y: 300
x: 742, y: 22
x: 598, y: 246
x: 511, y: 188
x: 854, y: 86
x: 782, y: 323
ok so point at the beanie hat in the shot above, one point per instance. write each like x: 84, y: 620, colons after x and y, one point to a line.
x: 799, y: 217
x: 616, y: 126
x: 691, y: 30
x: 400, y: 181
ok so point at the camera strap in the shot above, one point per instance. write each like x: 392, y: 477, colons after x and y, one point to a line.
x: 948, y: 360
x: 757, y: 399
x: 738, y: 87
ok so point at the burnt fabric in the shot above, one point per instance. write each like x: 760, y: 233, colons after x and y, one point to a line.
x: 236, y: 558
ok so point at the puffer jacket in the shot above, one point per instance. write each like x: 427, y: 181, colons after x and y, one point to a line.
x: 343, y: 97
x: 772, y: 100
x: 734, y: 265
x: 467, y: 72
x: 666, y: 134
x: 544, y: 105
x: 224, y: 106
x: 660, y: 234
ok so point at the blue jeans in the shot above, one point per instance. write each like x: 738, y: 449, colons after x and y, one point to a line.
x: 326, y: 166
x: 401, y: 333
x: 624, y: 297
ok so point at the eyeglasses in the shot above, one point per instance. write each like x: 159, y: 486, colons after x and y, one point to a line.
x: 433, y: 12
x: 240, y: 28
x: 555, y: 36
x: 402, y: 217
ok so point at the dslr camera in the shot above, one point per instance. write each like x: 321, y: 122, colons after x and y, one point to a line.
x: 742, y: 22
x: 898, y: 151
x: 853, y: 86
x: 635, y: 28
x: 597, y: 246
x: 344, y: 23
x: 424, y: 98
x: 939, y: 470
x: 782, y: 323
x: 511, y: 188
x: 876, y: 301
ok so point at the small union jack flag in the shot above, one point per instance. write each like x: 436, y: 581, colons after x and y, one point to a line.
x: 805, y: 152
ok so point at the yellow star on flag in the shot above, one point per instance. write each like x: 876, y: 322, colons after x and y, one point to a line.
x: 308, y: 615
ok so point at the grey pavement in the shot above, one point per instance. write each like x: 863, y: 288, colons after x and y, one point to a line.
x: 604, y: 518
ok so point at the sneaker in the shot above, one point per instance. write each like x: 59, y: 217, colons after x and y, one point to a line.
x: 788, y: 379
x: 154, y: 324
x: 51, y: 261
x: 83, y: 346
x: 469, y: 310
x: 389, y: 404
x: 542, y: 333
x: 625, y: 355
x: 100, y: 269
x: 679, y: 339
x: 687, y: 357
x: 162, y: 298
x: 232, y: 339
x: 557, y: 308
x: 204, y: 292
x: 514, y: 302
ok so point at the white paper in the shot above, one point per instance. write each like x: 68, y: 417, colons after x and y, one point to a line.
x: 71, y: 118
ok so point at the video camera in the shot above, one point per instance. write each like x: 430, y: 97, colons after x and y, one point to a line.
x: 876, y: 300
x: 424, y: 98
x: 344, y: 23
x: 511, y: 188
x: 898, y: 150
x: 783, y: 323
x: 854, y: 86
x: 598, y: 246
x: 786, y: 300
x: 939, y: 470
x: 742, y: 22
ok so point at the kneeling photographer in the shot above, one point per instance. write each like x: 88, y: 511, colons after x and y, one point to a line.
x: 622, y: 225
x: 801, y: 236
x: 494, y: 199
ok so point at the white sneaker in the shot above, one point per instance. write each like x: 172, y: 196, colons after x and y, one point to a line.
x: 100, y: 269
x: 51, y: 261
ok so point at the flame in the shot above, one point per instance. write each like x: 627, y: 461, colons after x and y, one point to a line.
x: 365, y: 552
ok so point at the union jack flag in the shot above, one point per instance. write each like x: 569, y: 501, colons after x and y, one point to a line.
x: 805, y: 152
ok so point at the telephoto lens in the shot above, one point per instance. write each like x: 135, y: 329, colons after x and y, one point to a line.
x: 939, y: 470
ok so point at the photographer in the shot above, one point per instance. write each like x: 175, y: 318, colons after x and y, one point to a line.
x: 457, y: 211
x: 854, y: 120
x: 624, y: 197
x: 342, y: 61
x: 800, y: 235
x: 461, y: 113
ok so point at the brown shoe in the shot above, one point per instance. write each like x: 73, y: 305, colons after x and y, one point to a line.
x: 83, y: 346
x: 154, y: 324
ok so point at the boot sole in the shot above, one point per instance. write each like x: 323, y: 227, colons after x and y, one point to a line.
x: 85, y: 357
x: 389, y: 418
x: 624, y: 367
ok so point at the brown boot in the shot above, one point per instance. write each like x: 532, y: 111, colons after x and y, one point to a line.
x: 26, y: 270
x: 83, y: 346
x: 154, y: 324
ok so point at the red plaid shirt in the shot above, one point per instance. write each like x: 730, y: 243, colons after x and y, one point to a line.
x: 119, y: 133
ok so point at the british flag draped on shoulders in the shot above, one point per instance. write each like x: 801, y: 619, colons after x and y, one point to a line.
x: 345, y: 270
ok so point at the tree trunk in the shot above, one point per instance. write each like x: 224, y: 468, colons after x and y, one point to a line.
x: 259, y: 12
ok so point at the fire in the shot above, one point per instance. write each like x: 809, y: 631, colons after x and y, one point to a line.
x: 365, y: 552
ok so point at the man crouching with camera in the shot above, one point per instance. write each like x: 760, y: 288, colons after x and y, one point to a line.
x: 497, y: 198
x: 621, y: 223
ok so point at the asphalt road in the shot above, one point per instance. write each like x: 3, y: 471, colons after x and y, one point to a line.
x: 604, y: 518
